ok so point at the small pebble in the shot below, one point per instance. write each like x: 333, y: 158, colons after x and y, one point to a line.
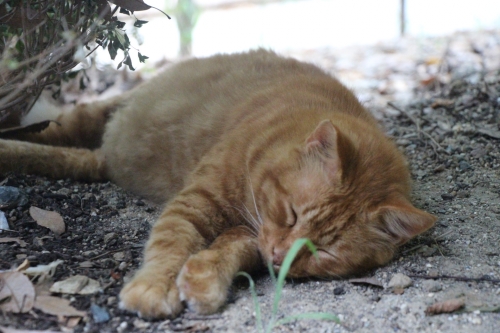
x: 464, y: 166
x: 339, y: 291
x: 447, y: 196
x: 99, y: 314
x: 109, y: 236
x: 431, y: 286
x: 4, y: 224
x: 11, y: 197
x: 427, y: 251
x: 119, y: 256
x: 138, y: 323
x: 122, y: 327
x: 399, y: 281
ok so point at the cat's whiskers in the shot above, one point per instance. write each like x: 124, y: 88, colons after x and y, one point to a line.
x: 253, y: 197
x: 256, y: 223
x: 253, y: 226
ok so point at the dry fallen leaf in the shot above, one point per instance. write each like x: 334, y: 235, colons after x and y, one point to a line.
x: 23, y: 266
x: 17, y: 292
x: 57, y: 306
x: 43, y: 271
x: 367, y: 280
x: 427, y: 81
x: 448, y: 306
x: 51, y: 220
x: 13, y: 330
x: 72, y: 322
x: 489, y: 132
x: 78, y: 284
x: 12, y: 239
x: 86, y: 264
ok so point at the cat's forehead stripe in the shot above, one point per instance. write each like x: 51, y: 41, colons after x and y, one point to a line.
x: 312, y: 213
x: 270, y: 137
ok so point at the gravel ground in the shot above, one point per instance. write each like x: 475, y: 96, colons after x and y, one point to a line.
x: 445, y: 116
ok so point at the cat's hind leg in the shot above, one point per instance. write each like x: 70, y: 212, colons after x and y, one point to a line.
x: 51, y: 161
x: 205, y: 278
x: 81, y: 127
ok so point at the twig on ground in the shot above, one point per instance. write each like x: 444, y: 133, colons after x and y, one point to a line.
x: 109, y: 252
x: 456, y: 278
x: 188, y: 316
x: 435, y: 145
x: 109, y: 284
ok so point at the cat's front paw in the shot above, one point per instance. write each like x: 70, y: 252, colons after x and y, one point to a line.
x: 151, y: 295
x: 202, y: 284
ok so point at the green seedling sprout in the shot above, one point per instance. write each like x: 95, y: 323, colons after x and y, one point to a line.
x: 279, y: 282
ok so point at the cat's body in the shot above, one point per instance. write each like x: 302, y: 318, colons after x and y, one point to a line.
x: 251, y: 151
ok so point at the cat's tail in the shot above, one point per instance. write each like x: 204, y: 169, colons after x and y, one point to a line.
x: 80, y: 127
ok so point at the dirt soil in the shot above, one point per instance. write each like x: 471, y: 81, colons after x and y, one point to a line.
x: 445, y: 116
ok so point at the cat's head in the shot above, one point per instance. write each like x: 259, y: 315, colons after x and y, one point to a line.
x: 347, y: 194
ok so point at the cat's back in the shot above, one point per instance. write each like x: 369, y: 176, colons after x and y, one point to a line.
x: 166, y: 125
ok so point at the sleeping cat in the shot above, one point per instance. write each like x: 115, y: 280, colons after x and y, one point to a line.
x: 249, y: 152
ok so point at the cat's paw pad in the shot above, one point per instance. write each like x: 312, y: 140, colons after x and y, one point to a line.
x: 201, y: 287
x: 151, y: 297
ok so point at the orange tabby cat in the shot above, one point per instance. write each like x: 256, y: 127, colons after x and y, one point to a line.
x: 250, y: 152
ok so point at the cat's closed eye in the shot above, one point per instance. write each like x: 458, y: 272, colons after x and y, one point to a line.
x: 291, y: 216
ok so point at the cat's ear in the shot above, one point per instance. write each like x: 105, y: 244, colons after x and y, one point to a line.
x: 402, y: 221
x: 323, y: 143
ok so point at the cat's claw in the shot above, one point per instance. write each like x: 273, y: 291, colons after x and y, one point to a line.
x: 201, y: 287
x: 151, y: 297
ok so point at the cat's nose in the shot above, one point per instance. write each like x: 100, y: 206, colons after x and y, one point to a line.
x: 278, y: 256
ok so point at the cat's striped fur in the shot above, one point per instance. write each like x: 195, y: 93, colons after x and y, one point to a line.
x: 250, y: 152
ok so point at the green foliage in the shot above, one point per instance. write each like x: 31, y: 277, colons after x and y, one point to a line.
x: 279, y: 282
x: 42, y: 40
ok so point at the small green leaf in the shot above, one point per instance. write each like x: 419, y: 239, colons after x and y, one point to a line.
x: 271, y: 272
x: 112, y: 51
x: 258, y: 317
x: 12, y: 64
x: 127, y: 41
x: 73, y: 74
x: 117, y: 45
x: 287, y: 263
x: 142, y: 58
x: 139, y: 23
x: 20, y: 46
x: 56, y: 94
x: 128, y: 62
x: 124, y: 11
x: 120, y: 38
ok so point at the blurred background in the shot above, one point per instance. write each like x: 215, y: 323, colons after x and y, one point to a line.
x: 385, y: 50
x: 205, y: 27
